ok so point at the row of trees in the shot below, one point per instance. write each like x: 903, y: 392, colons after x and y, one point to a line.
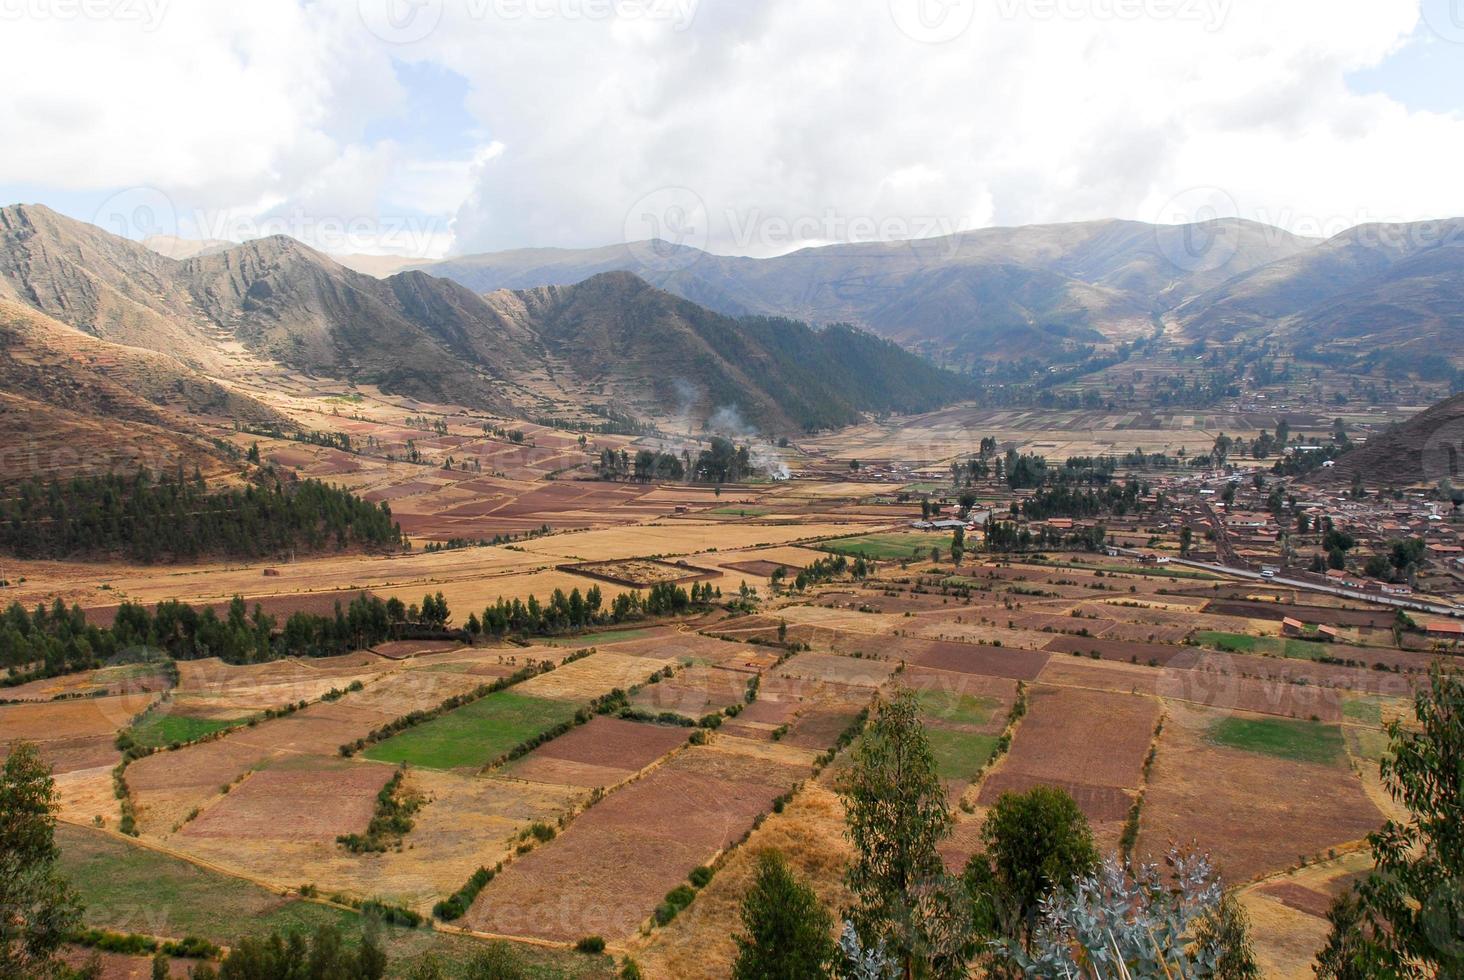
x: 575, y: 611
x: 723, y: 462
x: 58, y: 640
x: 147, y: 518
x: 644, y: 467
x: 1066, y: 500
x: 1005, y: 536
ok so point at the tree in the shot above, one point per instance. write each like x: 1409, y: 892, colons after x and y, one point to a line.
x: 1225, y: 930
x: 38, y: 909
x: 895, y: 809
x: 1145, y: 922
x: 1036, y: 843
x: 789, y: 934
x: 324, y: 955
x: 1408, y: 917
x: 1186, y: 539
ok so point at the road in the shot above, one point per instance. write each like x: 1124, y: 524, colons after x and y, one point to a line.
x: 1416, y: 605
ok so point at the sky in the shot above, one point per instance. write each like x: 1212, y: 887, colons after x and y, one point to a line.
x: 436, y: 127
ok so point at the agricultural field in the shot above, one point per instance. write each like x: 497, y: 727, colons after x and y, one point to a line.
x: 474, y: 735
x: 889, y: 547
x: 1161, y: 698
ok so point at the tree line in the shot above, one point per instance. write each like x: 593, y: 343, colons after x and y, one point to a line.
x: 575, y: 611
x: 150, y: 518
x: 57, y: 640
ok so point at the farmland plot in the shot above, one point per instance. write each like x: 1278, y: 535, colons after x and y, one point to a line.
x: 1256, y: 809
x: 608, y: 871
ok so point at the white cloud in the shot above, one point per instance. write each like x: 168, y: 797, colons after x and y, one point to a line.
x: 789, y: 122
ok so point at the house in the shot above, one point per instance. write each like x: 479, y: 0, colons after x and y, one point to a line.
x: 1336, y: 576
x: 1292, y: 627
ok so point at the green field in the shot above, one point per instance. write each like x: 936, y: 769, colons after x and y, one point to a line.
x: 160, y: 729
x: 741, y: 511
x: 475, y: 734
x: 584, y: 640
x: 1291, y: 648
x: 1368, y: 711
x: 1229, y: 642
x: 891, y: 546
x: 959, y: 755
x: 128, y: 888
x: 1300, y: 741
x: 956, y: 708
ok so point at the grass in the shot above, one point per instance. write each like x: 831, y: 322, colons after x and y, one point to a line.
x: 128, y: 888
x: 1291, y: 648
x: 889, y: 546
x: 159, y: 729
x: 959, y: 755
x: 1229, y: 642
x: 1299, y: 741
x: 475, y: 734
x: 957, y: 708
x: 1367, y: 711
x: 1367, y: 743
x: 591, y: 639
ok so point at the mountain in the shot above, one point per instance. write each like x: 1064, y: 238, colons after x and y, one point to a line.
x: 642, y: 346
x: 994, y: 293
x: 274, y: 300
x: 1425, y: 449
x: 71, y: 403
x: 1376, y: 293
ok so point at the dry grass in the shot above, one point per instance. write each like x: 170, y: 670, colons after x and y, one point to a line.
x: 699, y: 942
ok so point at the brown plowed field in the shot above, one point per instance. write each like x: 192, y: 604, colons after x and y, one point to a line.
x: 606, y: 873
x: 613, y: 747
x: 1256, y: 813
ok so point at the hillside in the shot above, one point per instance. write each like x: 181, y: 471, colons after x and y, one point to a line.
x: 228, y: 312
x: 73, y: 404
x: 645, y: 346
x: 1425, y: 449
x: 991, y: 294
x: 1377, y: 293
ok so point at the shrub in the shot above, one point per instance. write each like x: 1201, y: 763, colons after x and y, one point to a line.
x: 700, y: 876
x: 593, y: 945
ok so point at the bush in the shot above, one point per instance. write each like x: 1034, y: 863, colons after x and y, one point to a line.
x: 593, y: 945
x: 700, y: 876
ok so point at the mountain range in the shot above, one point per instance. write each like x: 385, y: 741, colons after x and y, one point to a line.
x: 1389, y: 294
x: 229, y: 312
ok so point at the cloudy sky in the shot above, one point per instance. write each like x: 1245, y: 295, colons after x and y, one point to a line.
x: 432, y: 127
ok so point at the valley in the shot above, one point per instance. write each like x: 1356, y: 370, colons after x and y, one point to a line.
x: 550, y: 665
